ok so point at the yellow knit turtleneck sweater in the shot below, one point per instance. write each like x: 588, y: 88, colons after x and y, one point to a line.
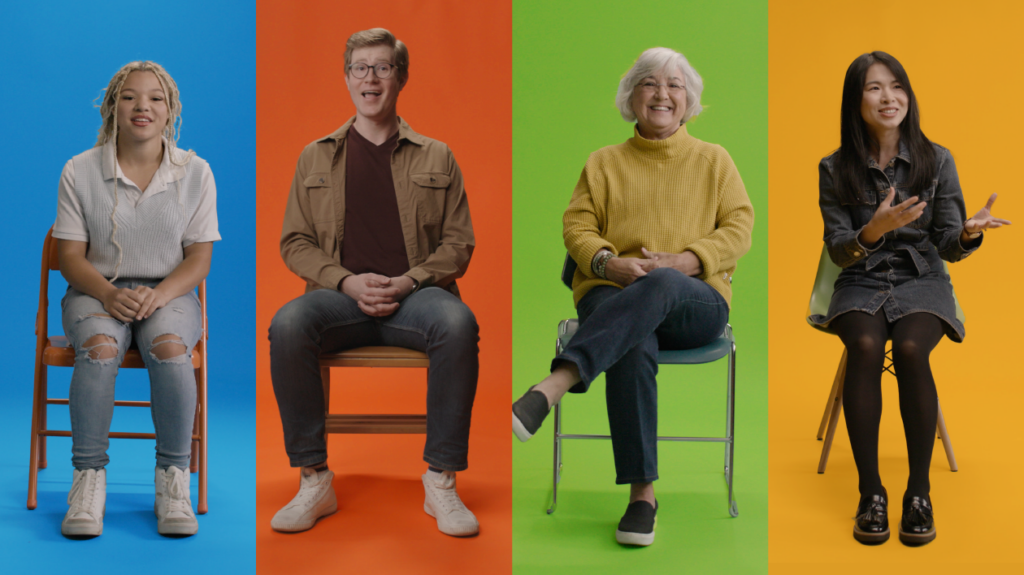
x: 669, y: 195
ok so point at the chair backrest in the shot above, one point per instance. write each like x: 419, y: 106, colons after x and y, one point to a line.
x: 568, y: 270
x: 825, y: 282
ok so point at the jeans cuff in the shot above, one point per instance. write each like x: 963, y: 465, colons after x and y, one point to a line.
x: 308, y: 460
x: 630, y: 480
x: 445, y: 466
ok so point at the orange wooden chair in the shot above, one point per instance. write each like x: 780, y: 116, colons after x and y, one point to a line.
x: 56, y: 351
x: 371, y: 357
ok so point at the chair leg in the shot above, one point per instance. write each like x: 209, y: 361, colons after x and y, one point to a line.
x: 42, y: 418
x: 325, y: 377
x: 836, y: 384
x: 193, y: 465
x: 946, y: 443
x: 837, y: 407
x: 557, y: 472
x: 730, y: 419
x: 33, y: 465
x: 203, y: 407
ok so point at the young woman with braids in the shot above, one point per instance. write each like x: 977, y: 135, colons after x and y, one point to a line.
x: 136, y: 219
x: 892, y: 207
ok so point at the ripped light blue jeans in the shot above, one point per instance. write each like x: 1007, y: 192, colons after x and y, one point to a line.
x: 172, y: 380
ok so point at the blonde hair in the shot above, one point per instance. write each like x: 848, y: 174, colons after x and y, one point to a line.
x: 659, y: 60
x: 378, y: 37
x: 108, y: 131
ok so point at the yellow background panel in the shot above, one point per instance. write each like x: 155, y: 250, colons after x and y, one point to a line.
x: 963, y: 60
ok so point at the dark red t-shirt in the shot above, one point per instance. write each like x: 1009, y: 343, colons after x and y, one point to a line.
x: 373, y: 241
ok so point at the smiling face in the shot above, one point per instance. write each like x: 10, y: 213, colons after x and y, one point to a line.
x: 884, y: 103
x: 659, y: 109
x: 375, y: 99
x: 142, y: 108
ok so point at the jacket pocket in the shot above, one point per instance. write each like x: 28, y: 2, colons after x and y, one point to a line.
x: 429, y: 192
x: 927, y: 195
x: 321, y: 197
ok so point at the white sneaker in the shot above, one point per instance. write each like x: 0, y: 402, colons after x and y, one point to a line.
x: 173, y: 506
x: 315, y: 499
x: 442, y: 503
x: 88, y: 501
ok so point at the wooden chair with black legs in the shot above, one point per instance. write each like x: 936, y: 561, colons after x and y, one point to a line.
x: 53, y: 351
x: 824, y: 285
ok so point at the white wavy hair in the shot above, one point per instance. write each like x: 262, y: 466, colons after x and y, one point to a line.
x: 651, y: 62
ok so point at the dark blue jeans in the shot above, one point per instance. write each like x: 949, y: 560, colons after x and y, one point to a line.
x: 620, y: 333
x: 431, y: 320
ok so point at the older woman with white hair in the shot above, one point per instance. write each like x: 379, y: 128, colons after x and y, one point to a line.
x: 656, y: 225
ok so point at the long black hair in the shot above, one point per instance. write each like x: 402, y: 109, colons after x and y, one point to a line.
x: 856, y: 143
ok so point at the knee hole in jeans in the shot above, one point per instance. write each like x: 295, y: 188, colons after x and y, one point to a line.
x: 168, y: 347
x: 101, y: 346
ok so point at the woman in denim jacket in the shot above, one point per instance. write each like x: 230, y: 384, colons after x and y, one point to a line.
x: 892, y: 207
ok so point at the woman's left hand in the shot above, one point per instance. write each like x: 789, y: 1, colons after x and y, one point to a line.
x: 983, y: 220
x: 152, y: 300
x: 686, y: 262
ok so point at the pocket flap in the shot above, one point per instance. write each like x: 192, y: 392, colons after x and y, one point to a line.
x: 318, y: 180
x: 431, y: 180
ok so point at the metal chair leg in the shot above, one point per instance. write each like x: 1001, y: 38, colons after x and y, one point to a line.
x: 946, y: 443
x: 557, y: 471
x: 837, y: 407
x: 730, y: 430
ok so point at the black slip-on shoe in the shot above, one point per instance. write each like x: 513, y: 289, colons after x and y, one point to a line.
x: 871, y: 526
x: 637, y: 526
x: 528, y: 412
x: 917, y: 526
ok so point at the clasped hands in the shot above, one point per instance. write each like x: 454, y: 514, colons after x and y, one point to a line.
x: 889, y: 217
x: 625, y: 271
x: 377, y: 295
x: 127, y: 305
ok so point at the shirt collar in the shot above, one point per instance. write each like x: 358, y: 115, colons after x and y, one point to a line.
x: 903, y: 154
x: 404, y: 133
x: 165, y: 174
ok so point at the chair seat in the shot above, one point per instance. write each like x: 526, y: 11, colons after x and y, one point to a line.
x: 706, y: 354
x: 375, y: 356
x: 58, y: 352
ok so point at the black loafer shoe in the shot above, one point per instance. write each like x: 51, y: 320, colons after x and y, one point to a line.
x: 637, y: 525
x: 528, y: 412
x: 871, y: 525
x: 917, y: 526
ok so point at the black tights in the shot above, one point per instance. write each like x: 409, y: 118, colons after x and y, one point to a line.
x: 913, y: 338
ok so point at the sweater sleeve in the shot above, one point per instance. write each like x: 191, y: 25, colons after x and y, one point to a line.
x: 583, y: 222
x: 734, y: 221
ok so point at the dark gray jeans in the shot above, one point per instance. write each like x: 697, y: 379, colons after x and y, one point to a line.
x: 620, y: 333
x: 431, y: 320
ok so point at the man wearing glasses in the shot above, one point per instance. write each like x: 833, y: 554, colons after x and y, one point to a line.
x: 378, y: 225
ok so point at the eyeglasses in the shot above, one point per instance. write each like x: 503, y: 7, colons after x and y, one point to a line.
x: 381, y: 71
x: 652, y: 87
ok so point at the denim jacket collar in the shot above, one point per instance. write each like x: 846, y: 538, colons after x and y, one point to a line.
x: 903, y: 154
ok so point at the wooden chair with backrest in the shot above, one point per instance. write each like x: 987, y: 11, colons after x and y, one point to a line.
x: 724, y: 346
x: 57, y: 351
x: 824, y: 285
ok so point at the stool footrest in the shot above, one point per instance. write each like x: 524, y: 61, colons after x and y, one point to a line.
x: 384, y: 423
x: 112, y: 434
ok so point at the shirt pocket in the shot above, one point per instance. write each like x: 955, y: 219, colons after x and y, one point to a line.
x: 863, y: 210
x: 428, y: 195
x: 904, y: 193
x: 321, y: 197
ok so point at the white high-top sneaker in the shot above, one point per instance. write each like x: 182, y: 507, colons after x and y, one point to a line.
x: 442, y: 503
x: 314, y: 500
x: 88, y: 501
x: 173, y: 505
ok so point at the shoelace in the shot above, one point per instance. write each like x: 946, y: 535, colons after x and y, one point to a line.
x: 307, y: 492
x: 87, y: 483
x: 177, y: 494
x: 449, y: 499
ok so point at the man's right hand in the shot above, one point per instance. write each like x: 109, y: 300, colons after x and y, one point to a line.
x: 373, y: 293
x: 625, y: 271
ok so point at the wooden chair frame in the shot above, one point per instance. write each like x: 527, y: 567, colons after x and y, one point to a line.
x: 373, y: 356
x: 56, y: 351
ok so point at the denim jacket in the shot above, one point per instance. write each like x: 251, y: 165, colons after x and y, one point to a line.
x: 939, y: 225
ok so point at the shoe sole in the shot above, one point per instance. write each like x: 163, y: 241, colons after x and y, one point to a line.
x: 519, y: 429
x: 641, y: 539
x: 430, y: 512
x: 331, y: 510
x: 174, y: 528
x: 83, y: 530
x: 869, y: 538
x: 914, y: 539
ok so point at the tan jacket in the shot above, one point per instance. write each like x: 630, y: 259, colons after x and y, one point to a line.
x: 431, y: 202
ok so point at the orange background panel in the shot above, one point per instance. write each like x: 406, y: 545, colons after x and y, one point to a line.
x: 459, y: 92
x: 960, y: 64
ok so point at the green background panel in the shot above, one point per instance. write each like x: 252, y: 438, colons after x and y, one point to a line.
x: 567, y: 61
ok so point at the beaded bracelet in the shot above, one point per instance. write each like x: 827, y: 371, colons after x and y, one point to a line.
x: 600, y: 264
